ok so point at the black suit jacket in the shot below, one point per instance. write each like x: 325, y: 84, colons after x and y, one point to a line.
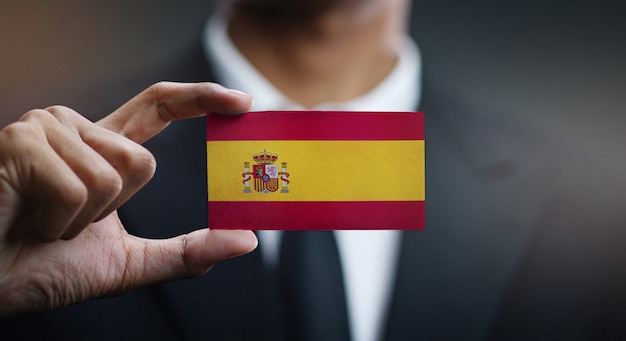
x: 524, y: 240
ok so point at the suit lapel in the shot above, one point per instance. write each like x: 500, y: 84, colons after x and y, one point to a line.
x: 452, y: 276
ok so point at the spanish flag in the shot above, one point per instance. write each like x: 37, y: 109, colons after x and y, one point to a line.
x: 316, y: 170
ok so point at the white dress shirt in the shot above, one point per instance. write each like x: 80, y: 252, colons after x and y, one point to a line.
x: 368, y: 258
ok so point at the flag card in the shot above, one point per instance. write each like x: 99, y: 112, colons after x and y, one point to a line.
x: 316, y: 170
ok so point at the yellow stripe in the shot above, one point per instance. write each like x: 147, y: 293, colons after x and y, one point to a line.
x: 322, y: 170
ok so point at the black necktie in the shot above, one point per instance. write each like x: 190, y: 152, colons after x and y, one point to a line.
x: 311, y: 286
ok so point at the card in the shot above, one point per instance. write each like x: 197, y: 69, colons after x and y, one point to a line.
x: 316, y: 170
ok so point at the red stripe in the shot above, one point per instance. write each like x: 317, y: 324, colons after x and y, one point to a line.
x: 317, y: 125
x: 379, y: 215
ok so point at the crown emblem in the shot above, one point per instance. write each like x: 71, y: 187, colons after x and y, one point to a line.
x: 264, y: 158
x: 265, y: 175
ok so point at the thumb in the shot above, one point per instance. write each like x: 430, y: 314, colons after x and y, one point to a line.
x: 203, y: 248
x: 188, y: 255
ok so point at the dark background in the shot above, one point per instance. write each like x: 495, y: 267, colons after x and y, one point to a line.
x: 558, y: 64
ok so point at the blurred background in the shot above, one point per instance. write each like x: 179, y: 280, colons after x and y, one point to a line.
x: 559, y: 64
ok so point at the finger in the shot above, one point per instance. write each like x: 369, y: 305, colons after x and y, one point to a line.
x: 100, y: 179
x: 152, y: 110
x: 185, y: 256
x: 134, y: 165
x: 51, y: 194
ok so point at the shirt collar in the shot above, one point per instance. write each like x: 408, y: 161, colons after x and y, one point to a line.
x: 399, y: 91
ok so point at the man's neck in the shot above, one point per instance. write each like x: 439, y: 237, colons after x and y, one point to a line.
x: 336, y: 56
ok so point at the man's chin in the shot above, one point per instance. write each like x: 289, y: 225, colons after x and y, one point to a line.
x: 293, y: 10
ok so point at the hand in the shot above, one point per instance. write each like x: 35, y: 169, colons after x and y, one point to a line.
x: 62, y: 179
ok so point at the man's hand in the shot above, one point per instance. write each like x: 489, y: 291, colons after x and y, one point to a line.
x: 62, y: 179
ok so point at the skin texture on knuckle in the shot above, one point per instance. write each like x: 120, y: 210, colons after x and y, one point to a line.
x: 40, y: 121
x: 56, y: 114
x: 193, y: 268
x: 62, y: 113
x: 105, y: 183
x: 156, y: 92
x: 74, y: 194
x: 36, y: 115
x: 20, y: 149
x: 14, y: 135
x: 137, y: 163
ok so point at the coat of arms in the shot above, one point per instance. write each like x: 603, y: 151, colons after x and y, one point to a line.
x: 266, y: 175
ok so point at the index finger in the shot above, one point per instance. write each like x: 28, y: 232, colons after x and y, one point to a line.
x: 152, y: 110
